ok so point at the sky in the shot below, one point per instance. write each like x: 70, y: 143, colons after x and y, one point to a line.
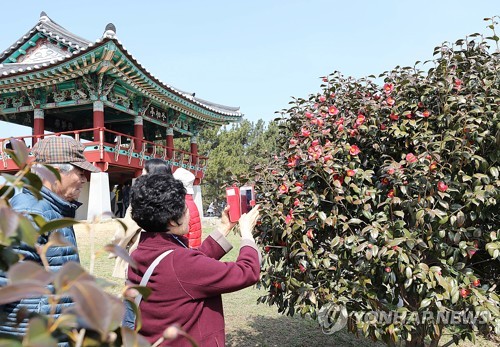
x: 258, y: 54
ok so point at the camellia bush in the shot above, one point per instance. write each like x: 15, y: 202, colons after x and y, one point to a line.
x: 385, y: 199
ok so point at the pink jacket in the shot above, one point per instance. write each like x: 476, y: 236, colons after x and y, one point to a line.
x: 187, y: 285
x: 194, y: 234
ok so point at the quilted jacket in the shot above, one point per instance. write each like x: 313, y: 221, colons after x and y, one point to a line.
x: 50, y: 207
x: 194, y: 234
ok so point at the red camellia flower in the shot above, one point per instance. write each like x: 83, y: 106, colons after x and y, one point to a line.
x: 390, y: 101
x: 464, y: 292
x: 326, y: 131
x: 309, y: 115
x: 292, y: 161
x: 426, y: 114
x: 296, y: 202
x: 361, y: 119
x: 283, y: 189
x: 385, y: 181
x: 310, y: 234
x: 333, y: 111
x: 322, y: 98
x: 394, y: 116
x: 388, y: 88
x: 351, y: 173
x: 293, y: 142
x: 353, y: 133
x: 299, y: 186
x: 327, y: 157
x: 315, y: 143
x: 458, y: 84
x: 302, y: 268
x: 442, y: 187
x: 315, y: 152
x: 388, y: 269
x: 391, y: 171
x: 320, y: 122
x: 433, y: 166
x: 274, y: 172
x: 383, y: 126
x: 338, y: 178
x: 267, y: 249
x: 305, y: 132
x: 341, y: 127
x: 420, y: 104
x: 411, y: 158
x: 390, y: 194
x: 289, y: 218
x: 476, y: 283
x: 354, y: 150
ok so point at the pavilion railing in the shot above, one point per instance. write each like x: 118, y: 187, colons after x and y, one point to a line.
x: 121, y: 145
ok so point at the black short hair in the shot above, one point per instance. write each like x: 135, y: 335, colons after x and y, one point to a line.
x: 157, y: 199
x: 157, y: 166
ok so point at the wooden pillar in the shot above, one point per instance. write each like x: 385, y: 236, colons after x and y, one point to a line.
x: 138, y: 133
x: 98, y: 119
x: 38, y: 124
x: 170, y: 142
x: 194, y: 150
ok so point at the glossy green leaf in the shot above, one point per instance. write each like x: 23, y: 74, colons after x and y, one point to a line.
x: 57, y: 224
x: 29, y: 271
x: 9, y: 222
x: 21, y: 290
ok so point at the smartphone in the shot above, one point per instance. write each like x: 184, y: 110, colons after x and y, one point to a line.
x: 247, y: 198
x: 233, y: 200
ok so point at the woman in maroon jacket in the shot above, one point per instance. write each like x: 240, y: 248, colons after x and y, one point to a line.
x: 187, y: 284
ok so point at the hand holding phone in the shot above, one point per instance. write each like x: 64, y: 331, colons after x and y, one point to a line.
x: 225, y: 224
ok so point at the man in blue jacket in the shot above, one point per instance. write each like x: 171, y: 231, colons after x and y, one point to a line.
x: 59, y: 200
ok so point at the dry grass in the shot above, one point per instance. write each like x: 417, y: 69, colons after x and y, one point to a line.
x: 247, y: 323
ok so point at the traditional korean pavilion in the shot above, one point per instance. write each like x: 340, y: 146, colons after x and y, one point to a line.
x: 59, y: 83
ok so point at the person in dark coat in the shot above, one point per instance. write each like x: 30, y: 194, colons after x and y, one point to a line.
x: 186, y: 284
x: 58, y: 200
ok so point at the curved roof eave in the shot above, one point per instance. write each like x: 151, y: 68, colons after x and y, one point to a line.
x: 50, y: 28
x: 227, y: 110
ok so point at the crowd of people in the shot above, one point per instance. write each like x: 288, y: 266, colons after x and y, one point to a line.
x: 162, y: 235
